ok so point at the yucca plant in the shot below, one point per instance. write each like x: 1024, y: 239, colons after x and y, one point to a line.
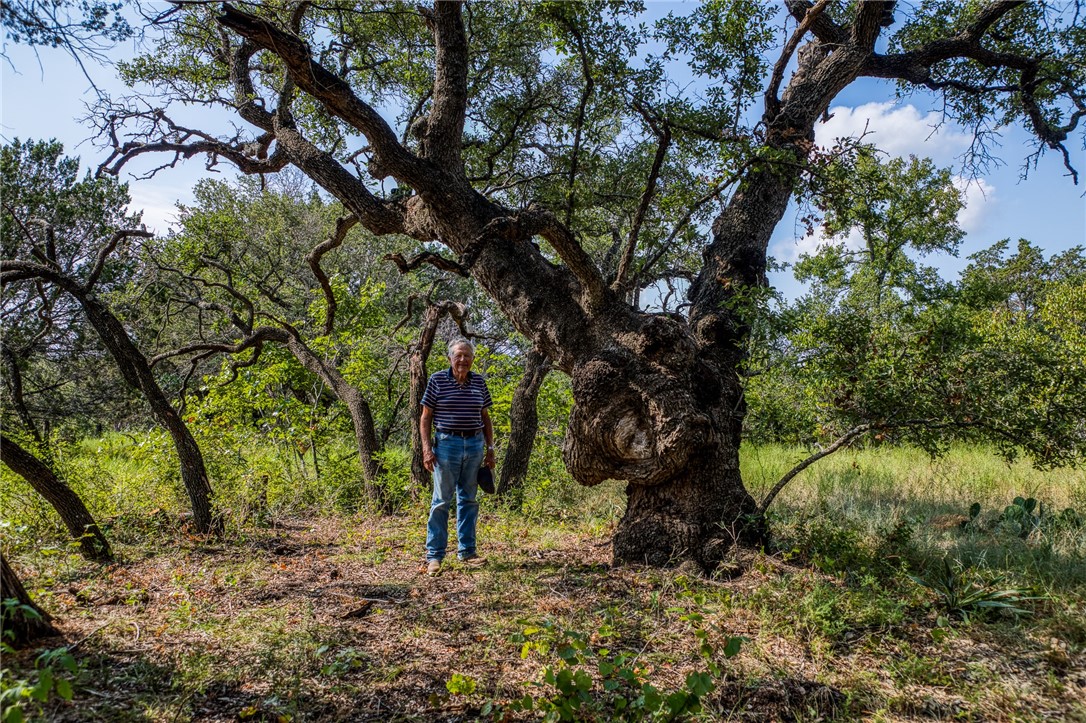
x: 963, y: 593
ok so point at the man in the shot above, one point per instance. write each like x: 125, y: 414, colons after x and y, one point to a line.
x: 456, y: 403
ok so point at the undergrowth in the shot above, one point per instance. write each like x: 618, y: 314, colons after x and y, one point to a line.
x: 889, y: 590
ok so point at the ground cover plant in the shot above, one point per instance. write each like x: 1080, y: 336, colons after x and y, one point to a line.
x: 311, y: 612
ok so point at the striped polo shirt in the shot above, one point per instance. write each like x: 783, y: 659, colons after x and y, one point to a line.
x: 456, y: 407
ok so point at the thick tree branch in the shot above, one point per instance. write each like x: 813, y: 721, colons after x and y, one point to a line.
x: 809, y: 15
x: 916, y: 67
x: 14, y: 379
x: 823, y: 27
x: 379, y: 216
x: 665, y: 245
x: 445, y: 125
x: 390, y: 158
x: 540, y: 222
x: 870, y: 18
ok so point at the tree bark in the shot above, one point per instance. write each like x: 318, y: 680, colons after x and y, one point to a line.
x: 77, y: 518
x: 19, y: 627
x: 523, y: 424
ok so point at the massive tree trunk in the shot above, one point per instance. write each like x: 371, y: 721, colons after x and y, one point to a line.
x: 77, y: 518
x: 523, y: 423
x: 19, y: 627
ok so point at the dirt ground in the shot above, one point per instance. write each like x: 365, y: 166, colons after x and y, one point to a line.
x: 335, y: 619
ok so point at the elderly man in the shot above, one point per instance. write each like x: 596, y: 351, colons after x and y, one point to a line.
x: 456, y: 403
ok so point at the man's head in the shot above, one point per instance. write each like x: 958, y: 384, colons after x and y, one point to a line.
x: 461, y: 355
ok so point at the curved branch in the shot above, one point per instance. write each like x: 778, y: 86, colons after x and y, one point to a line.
x: 537, y: 221
x: 838, y: 444
x: 257, y: 338
x: 105, y: 251
x: 313, y: 258
x: 178, y: 140
x: 425, y: 257
x: 915, y: 67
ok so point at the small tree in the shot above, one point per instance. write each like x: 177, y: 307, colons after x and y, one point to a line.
x: 882, y: 346
x: 73, y: 250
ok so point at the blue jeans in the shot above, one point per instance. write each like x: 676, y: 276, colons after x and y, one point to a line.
x: 455, y: 471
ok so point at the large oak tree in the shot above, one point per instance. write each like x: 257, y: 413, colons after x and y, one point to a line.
x: 538, y: 153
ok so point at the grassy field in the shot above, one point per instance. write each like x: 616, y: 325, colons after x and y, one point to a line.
x: 878, y: 600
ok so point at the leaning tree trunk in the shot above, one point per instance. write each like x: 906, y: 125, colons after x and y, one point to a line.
x: 76, y: 517
x: 21, y: 627
x: 420, y: 356
x: 523, y: 423
x: 361, y: 415
x: 137, y: 372
x: 14, y: 379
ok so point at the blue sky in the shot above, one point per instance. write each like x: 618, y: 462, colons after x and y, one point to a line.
x: 44, y: 93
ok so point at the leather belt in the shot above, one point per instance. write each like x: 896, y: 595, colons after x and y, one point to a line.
x: 460, y: 433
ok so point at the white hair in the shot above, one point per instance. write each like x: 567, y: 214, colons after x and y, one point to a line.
x: 460, y: 341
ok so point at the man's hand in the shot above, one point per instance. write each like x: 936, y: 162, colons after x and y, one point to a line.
x: 489, y: 461
x: 428, y: 459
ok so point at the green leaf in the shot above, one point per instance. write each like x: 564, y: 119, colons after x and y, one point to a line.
x: 731, y: 648
x: 676, y: 703
x: 64, y: 689
x: 700, y: 684
x: 14, y: 714
x: 40, y: 691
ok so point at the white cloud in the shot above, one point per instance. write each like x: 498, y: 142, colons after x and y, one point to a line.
x: 789, y: 250
x: 979, y: 198
x: 158, y: 204
x: 899, y: 130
